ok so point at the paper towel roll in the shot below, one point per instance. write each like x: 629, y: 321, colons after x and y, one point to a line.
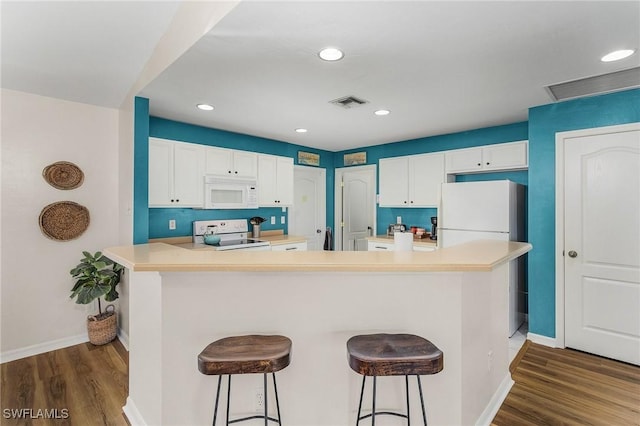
x: 402, y: 241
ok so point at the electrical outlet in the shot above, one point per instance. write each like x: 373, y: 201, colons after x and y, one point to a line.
x: 273, y: 220
x: 282, y: 220
x: 172, y: 224
x: 259, y: 399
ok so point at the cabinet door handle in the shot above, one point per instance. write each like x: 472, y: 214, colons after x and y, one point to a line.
x: 411, y: 201
x: 236, y: 172
x: 381, y: 248
x: 479, y: 164
x: 488, y: 163
x: 291, y: 248
x: 405, y: 202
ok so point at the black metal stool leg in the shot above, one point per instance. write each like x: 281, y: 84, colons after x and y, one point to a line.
x: 364, y: 378
x: 275, y: 390
x: 424, y: 413
x: 215, y: 409
x: 228, y: 397
x: 406, y: 385
x: 373, y: 412
x: 264, y: 383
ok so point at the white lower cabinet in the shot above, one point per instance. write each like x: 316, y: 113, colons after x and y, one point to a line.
x: 377, y: 246
x: 290, y: 247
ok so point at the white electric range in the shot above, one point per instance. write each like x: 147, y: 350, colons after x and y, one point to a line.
x: 233, y: 235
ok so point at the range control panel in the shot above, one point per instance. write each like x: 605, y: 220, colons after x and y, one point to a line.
x: 229, y: 226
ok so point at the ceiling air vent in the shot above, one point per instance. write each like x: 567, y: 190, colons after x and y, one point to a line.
x: 611, y: 82
x: 348, y: 102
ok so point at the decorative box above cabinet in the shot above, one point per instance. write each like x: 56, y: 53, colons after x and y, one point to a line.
x: 411, y: 181
x: 488, y: 158
x: 230, y: 162
x: 175, y: 174
x: 275, y: 181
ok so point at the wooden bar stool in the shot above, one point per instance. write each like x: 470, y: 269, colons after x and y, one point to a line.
x: 246, y: 355
x: 392, y: 355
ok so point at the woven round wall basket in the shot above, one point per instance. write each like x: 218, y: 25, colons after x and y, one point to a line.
x: 64, y: 220
x: 63, y: 175
x: 103, y: 328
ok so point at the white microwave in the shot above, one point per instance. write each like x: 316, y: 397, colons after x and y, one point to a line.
x: 226, y: 193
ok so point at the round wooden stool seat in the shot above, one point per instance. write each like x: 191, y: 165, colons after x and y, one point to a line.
x: 393, y: 355
x: 245, y: 355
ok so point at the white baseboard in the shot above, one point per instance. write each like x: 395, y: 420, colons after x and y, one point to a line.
x: 496, y: 401
x: 542, y: 340
x: 133, y: 415
x: 40, y: 348
x: 124, y: 338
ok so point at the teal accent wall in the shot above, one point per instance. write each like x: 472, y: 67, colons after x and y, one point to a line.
x: 141, y: 171
x: 422, y: 217
x: 544, y: 122
x: 158, y: 218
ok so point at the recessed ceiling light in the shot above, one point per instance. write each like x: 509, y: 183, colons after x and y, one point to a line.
x: 382, y: 112
x: 331, y: 54
x: 205, y: 107
x: 617, y: 55
x: 301, y: 130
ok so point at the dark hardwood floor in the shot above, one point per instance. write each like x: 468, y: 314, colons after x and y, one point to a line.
x: 553, y: 387
x: 568, y: 387
x: 80, y: 385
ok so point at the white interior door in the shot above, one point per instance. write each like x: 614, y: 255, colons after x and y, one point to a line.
x: 602, y: 244
x: 307, y: 216
x: 357, y: 206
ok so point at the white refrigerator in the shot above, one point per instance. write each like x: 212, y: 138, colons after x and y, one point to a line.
x: 492, y: 210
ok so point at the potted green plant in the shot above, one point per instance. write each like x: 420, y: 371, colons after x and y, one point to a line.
x: 97, y: 276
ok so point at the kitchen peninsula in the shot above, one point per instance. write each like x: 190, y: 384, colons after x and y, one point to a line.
x: 181, y: 300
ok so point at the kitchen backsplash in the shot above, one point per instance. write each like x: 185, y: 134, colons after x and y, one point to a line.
x: 159, y: 219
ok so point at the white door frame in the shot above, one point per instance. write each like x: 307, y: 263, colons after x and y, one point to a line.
x: 559, y: 257
x: 337, y: 215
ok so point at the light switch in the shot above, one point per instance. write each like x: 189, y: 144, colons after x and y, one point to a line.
x: 273, y: 220
x: 282, y: 220
x: 172, y: 224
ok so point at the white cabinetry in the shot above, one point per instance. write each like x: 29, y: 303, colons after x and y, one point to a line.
x: 229, y: 162
x: 378, y: 246
x: 176, y: 174
x: 290, y: 247
x: 411, y: 181
x: 275, y: 181
x: 504, y: 156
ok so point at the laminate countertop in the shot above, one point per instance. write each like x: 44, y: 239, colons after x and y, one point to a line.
x: 481, y: 255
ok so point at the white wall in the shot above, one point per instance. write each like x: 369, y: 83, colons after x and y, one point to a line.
x: 36, y: 311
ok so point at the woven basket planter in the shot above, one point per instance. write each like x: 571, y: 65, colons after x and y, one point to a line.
x: 103, y: 328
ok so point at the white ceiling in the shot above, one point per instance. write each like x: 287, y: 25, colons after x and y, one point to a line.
x: 440, y: 67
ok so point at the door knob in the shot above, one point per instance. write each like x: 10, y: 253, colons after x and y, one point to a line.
x: 573, y: 253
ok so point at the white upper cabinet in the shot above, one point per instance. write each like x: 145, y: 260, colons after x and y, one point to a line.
x: 275, y: 181
x: 176, y: 172
x: 411, y: 181
x: 229, y: 162
x: 504, y: 156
